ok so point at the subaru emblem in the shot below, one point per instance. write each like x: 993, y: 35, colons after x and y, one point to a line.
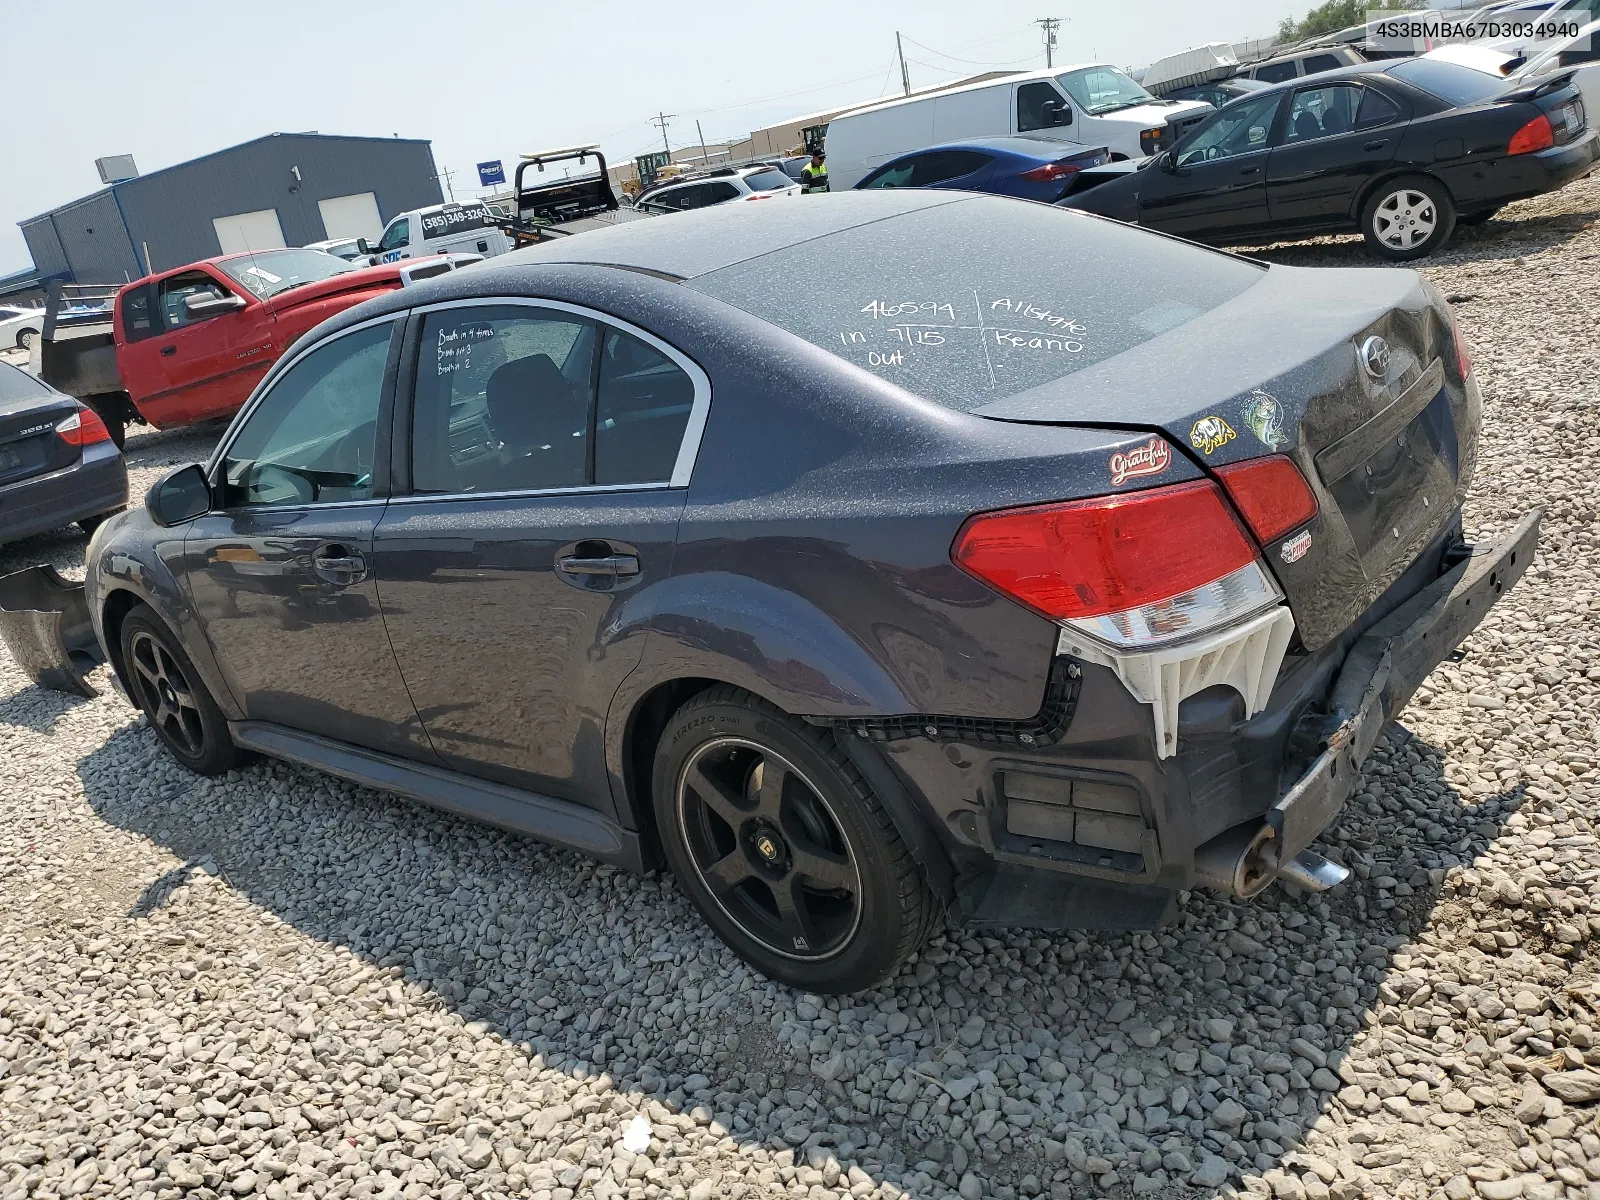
x: 1375, y: 356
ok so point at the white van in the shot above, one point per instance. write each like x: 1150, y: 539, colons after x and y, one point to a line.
x: 1092, y: 105
x: 440, y: 229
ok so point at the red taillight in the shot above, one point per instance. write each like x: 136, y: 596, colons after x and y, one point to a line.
x: 1535, y: 135
x: 1270, y: 494
x: 1087, y: 558
x: 83, y: 428
x: 1051, y: 171
x: 1463, y: 358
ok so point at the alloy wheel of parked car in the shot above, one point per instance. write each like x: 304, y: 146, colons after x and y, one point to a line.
x: 783, y: 848
x: 25, y: 339
x: 1408, y: 218
x: 173, y: 697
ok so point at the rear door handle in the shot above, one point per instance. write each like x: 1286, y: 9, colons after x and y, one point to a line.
x: 1248, y: 170
x: 168, y: 351
x: 615, y: 566
x: 339, y: 564
x: 1376, y: 144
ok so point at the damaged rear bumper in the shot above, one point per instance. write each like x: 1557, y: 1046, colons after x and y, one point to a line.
x: 44, y: 623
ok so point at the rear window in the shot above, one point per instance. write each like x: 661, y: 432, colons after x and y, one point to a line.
x: 968, y: 303
x: 768, y: 181
x: 19, y: 385
x: 1447, y: 80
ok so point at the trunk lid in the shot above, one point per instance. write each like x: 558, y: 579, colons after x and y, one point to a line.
x: 1360, y: 387
x: 29, y: 444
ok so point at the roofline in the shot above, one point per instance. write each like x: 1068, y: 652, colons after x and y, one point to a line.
x: 1014, y: 77
x: 920, y: 93
x: 189, y: 162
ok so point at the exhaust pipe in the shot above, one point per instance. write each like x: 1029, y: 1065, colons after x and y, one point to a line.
x: 1243, y: 862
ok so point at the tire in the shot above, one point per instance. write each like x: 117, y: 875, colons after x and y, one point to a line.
x: 1478, y: 218
x: 25, y: 338
x: 90, y: 524
x: 737, y: 841
x: 1408, y: 218
x: 164, y: 684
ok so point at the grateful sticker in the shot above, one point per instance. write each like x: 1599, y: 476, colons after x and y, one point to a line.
x: 1151, y: 458
x: 1295, y: 548
x: 1210, y: 434
x: 1264, y: 417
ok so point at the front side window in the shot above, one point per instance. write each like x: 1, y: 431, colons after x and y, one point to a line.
x: 1321, y: 112
x: 313, y: 437
x: 177, y: 289
x: 1238, y: 129
x: 678, y: 198
x: 1322, y: 62
x: 1103, y: 89
x: 397, y: 235
x: 1040, y: 106
x: 503, y: 400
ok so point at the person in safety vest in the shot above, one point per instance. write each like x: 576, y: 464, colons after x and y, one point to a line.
x: 814, y: 175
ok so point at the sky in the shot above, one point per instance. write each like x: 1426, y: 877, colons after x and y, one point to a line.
x: 486, y: 79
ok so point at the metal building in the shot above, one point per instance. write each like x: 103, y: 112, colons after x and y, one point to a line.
x: 284, y: 189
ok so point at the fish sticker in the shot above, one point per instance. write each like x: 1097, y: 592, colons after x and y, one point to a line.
x: 1295, y: 548
x: 1210, y: 434
x: 1263, y: 416
x: 1149, y: 458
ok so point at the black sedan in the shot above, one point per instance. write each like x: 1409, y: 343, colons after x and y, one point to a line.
x: 1400, y: 150
x: 58, y: 463
x: 892, y: 553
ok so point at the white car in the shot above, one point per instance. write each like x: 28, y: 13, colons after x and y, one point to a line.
x: 717, y: 187
x: 19, y: 326
x: 1581, y: 51
x: 348, y: 249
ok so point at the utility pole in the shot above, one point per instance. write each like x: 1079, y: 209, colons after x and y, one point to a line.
x: 661, y: 119
x: 705, y: 155
x: 446, y: 175
x: 905, y: 79
x: 1049, y: 25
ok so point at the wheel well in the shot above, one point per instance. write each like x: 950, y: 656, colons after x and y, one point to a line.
x: 119, y: 603
x: 649, y: 717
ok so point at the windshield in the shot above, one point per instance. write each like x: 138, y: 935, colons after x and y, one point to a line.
x: 1102, y: 90
x: 274, y: 271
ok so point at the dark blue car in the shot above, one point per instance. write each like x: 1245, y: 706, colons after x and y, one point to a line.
x: 1030, y: 168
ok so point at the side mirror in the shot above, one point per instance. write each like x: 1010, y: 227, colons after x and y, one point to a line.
x: 361, y: 245
x: 1056, y: 113
x: 200, y: 304
x: 1168, y: 162
x: 179, y: 496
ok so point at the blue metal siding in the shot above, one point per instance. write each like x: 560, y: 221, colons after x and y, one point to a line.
x: 172, y: 210
x: 49, y: 259
x: 95, y: 242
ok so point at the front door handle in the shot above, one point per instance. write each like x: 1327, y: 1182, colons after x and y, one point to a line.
x: 1376, y: 144
x: 615, y: 566
x: 168, y: 351
x: 339, y: 565
x: 1249, y: 170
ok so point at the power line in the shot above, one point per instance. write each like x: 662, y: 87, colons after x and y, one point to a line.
x: 972, y: 62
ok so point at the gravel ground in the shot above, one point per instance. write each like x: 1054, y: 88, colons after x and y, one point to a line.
x: 278, y: 983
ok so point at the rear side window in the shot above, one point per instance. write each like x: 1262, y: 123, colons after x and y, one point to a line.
x: 1322, y: 62
x: 1376, y: 109
x: 139, y: 316
x: 943, y: 165
x: 767, y: 181
x: 1276, y: 72
x: 1449, y: 81
x: 644, y: 404
x: 716, y: 193
x: 970, y: 302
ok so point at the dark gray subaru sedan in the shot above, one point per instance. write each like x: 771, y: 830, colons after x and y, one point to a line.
x: 859, y: 560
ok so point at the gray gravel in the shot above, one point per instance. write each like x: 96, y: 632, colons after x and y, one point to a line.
x: 278, y: 983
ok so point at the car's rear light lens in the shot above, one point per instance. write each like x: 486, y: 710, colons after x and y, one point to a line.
x: 83, y: 428
x: 1535, y: 135
x: 1270, y: 494
x: 1052, y: 171
x: 1463, y: 358
x: 1133, y: 571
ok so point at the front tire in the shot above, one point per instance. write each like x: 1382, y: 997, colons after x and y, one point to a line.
x: 25, y: 339
x: 1408, y: 218
x: 166, y: 686
x: 777, y: 840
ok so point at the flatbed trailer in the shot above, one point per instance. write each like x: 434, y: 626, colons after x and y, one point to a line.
x: 562, y: 207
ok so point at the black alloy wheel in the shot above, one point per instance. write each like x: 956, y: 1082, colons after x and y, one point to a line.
x: 174, y: 699
x: 776, y: 838
x: 769, y: 849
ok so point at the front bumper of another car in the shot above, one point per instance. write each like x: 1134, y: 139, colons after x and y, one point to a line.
x: 1089, y: 829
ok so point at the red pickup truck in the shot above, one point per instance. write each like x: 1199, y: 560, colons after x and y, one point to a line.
x: 190, y: 344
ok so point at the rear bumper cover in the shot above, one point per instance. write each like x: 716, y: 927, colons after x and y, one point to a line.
x: 44, y: 623
x: 97, y: 483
